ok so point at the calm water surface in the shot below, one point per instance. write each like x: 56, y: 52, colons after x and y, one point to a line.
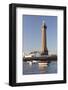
x: 39, y: 67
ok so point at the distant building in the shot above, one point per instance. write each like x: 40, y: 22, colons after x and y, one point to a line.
x: 33, y: 54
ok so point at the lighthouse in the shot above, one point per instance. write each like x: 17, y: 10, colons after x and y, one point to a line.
x: 44, y: 50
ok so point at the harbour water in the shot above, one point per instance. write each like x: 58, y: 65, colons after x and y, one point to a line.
x: 37, y: 67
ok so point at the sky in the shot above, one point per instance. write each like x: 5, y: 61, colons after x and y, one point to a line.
x: 32, y: 33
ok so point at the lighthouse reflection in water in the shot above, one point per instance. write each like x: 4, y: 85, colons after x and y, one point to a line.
x: 39, y: 67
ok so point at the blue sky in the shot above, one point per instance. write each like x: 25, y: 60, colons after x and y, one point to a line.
x: 32, y: 33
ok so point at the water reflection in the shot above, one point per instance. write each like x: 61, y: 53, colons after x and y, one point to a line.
x: 39, y: 67
x: 42, y: 66
x: 30, y: 63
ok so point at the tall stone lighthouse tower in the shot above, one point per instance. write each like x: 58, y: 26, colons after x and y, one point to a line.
x: 44, y: 39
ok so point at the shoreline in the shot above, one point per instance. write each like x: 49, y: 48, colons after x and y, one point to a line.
x: 49, y: 58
